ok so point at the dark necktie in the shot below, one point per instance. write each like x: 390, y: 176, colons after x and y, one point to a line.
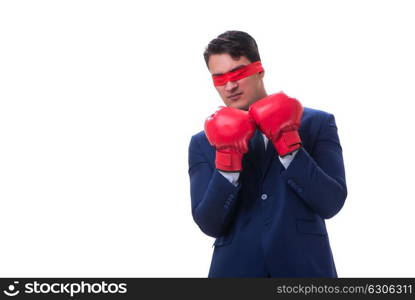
x: 259, y: 149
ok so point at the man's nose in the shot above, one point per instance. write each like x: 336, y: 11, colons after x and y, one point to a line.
x: 231, y: 85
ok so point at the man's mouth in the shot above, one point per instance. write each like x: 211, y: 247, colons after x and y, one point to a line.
x: 235, y: 97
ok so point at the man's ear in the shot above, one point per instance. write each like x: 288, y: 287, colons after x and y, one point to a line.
x: 261, y: 74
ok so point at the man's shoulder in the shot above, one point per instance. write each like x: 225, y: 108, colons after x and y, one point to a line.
x: 315, y: 113
x: 199, y: 135
x: 313, y: 121
x: 199, y: 144
x: 200, y: 139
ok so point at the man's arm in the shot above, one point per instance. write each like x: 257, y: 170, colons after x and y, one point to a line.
x: 213, y: 196
x: 319, y: 179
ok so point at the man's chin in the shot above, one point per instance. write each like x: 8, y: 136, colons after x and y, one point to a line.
x: 239, y: 106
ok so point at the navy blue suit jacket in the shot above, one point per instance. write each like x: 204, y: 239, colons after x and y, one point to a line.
x: 272, y: 223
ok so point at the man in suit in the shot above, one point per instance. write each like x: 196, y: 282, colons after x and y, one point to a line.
x: 264, y: 174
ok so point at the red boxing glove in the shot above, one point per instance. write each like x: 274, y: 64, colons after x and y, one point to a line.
x: 229, y: 130
x: 278, y: 117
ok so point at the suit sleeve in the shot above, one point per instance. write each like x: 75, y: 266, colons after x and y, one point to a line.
x: 319, y: 179
x: 213, y: 197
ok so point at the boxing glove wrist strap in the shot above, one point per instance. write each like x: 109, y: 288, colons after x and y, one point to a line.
x: 229, y: 161
x: 288, y: 142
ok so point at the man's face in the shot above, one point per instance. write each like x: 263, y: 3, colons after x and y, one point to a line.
x: 241, y: 93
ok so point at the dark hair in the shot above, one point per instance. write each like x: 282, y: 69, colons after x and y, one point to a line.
x: 235, y: 43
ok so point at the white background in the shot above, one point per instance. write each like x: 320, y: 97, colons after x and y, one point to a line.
x: 99, y: 100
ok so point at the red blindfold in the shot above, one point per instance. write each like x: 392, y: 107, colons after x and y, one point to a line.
x: 243, y: 72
